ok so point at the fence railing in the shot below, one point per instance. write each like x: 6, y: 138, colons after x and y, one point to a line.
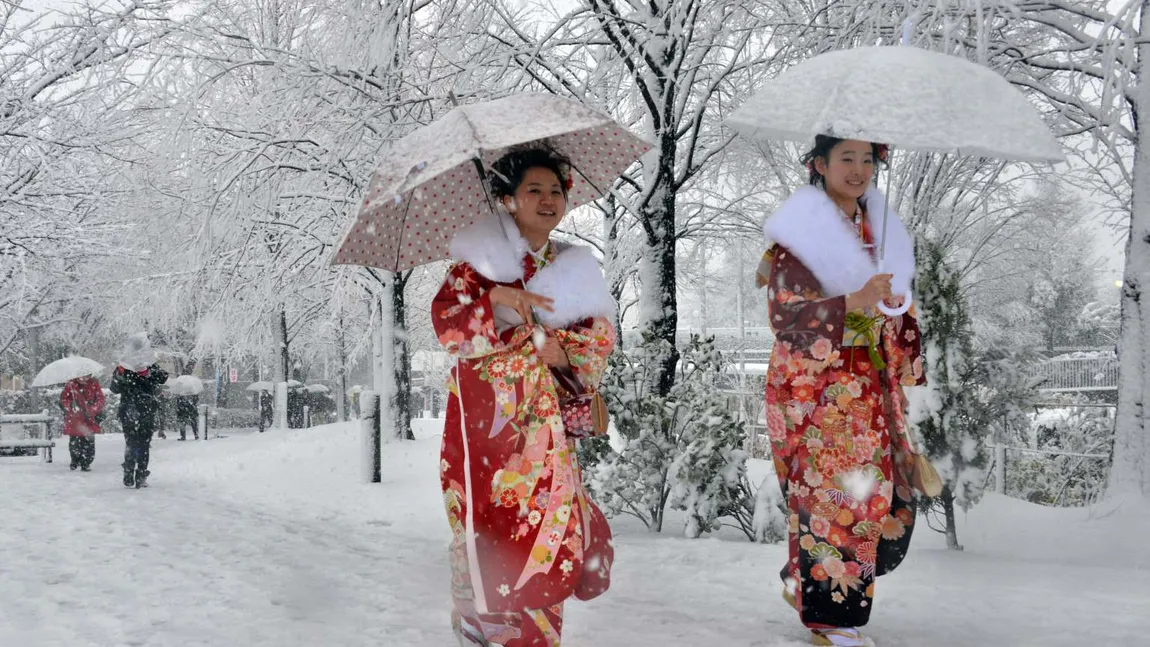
x: 1077, y: 374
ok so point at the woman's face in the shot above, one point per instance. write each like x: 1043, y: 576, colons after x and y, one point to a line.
x: 848, y: 169
x: 539, y: 203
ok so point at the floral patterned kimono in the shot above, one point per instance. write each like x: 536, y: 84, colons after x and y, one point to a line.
x: 830, y: 408
x: 526, y: 535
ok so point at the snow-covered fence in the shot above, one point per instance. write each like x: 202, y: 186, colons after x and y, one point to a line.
x: 1078, y: 372
x: 1065, y: 459
x: 39, y: 438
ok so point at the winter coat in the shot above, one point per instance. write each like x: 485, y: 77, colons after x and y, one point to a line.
x: 82, y: 401
x: 527, y: 535
x: 138, y: 395
x: 186, y: 407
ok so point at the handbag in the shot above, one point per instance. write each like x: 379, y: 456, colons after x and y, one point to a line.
x: 923, y: 476
x: 584, y: 413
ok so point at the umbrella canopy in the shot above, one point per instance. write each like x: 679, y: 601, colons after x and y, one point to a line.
x: 186, y: 385
x: 138, y: 353
x: 261, y: 386
x: 427, y: 188
x: 68, y: 368
x: 907, y: 97
x: 318, y: 388
x: 294, y: 384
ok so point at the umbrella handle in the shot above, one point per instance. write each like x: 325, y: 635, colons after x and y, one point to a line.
x: 894, y: 312
x: 906, y: 298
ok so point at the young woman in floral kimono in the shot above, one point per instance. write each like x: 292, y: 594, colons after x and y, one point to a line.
x: 526, y: 535
x: 834, y: 388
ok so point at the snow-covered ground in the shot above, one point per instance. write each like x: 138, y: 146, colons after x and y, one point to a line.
x: 272, y: 540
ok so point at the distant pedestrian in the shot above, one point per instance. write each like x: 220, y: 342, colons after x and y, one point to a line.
x: 83, y: 403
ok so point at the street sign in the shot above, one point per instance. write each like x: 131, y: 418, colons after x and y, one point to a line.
x: 233, y: 375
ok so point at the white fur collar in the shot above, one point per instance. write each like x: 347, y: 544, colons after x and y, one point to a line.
x: 812, y: 227
x: 573, y: 279
x: 485, y: 247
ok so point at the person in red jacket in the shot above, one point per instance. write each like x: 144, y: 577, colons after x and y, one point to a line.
x: 83, y: 402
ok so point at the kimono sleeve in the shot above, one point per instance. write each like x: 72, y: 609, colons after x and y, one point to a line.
x: 588, y: 344
x: 903, y: 341
x: 799, y: 314
x: 462, y: 314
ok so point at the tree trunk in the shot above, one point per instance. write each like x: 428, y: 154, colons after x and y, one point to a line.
x: 402, y: 360
x: 1130, y: 473
x: 341, y: 351
x: 616, y: 275
x: 281, y: 338
x: 660, y: 312
x: 947, y: 500
x: 384, y: 355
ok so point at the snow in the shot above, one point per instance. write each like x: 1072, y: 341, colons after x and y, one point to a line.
x: 269, y: 540
x: 68, y: 368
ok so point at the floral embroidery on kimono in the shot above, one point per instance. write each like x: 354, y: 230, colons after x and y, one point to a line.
x: 829, y: 409
x: 523, y: 526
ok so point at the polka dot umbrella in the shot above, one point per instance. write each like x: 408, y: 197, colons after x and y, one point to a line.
x: 428, y: 187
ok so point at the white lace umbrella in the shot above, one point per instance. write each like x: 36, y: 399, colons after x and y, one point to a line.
x: 907, y: 97
x: 428, y: 186
x: 66, y: 369
x: 261, y: 386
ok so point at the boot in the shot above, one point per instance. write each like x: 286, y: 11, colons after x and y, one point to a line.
x: 142, y: 479
x: 129, y: 477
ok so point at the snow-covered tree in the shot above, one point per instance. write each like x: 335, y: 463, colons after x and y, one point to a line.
x: 683, y: 449
x: 946, y: 417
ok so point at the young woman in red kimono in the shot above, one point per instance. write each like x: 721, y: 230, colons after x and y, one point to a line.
x: 526, y: 535
x: 834, y: 388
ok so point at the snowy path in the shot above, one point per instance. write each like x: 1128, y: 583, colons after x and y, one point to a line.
x: 271, y: 540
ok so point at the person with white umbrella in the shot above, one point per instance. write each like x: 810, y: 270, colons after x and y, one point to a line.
x: 843, y: 447
x: 82, y: 400
x: 833, y: 385
x: 83, y: 403
x: 137, y: 380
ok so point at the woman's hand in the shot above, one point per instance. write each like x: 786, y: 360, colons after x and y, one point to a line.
x: 875, y: 290
x: 553, y: 354
x: 520, y: 301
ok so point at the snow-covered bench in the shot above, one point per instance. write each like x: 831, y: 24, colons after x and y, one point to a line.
x: 39, y: 439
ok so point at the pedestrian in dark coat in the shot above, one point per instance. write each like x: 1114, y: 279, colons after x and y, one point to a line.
x: 186, y: 413
x: 137, y: 379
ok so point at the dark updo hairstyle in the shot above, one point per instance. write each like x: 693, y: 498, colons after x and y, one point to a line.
x: 822, y: 148
x: 507, y: 172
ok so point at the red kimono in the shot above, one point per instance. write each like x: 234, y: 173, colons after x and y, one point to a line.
x: 830, y: 408
x: 526, y: 535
